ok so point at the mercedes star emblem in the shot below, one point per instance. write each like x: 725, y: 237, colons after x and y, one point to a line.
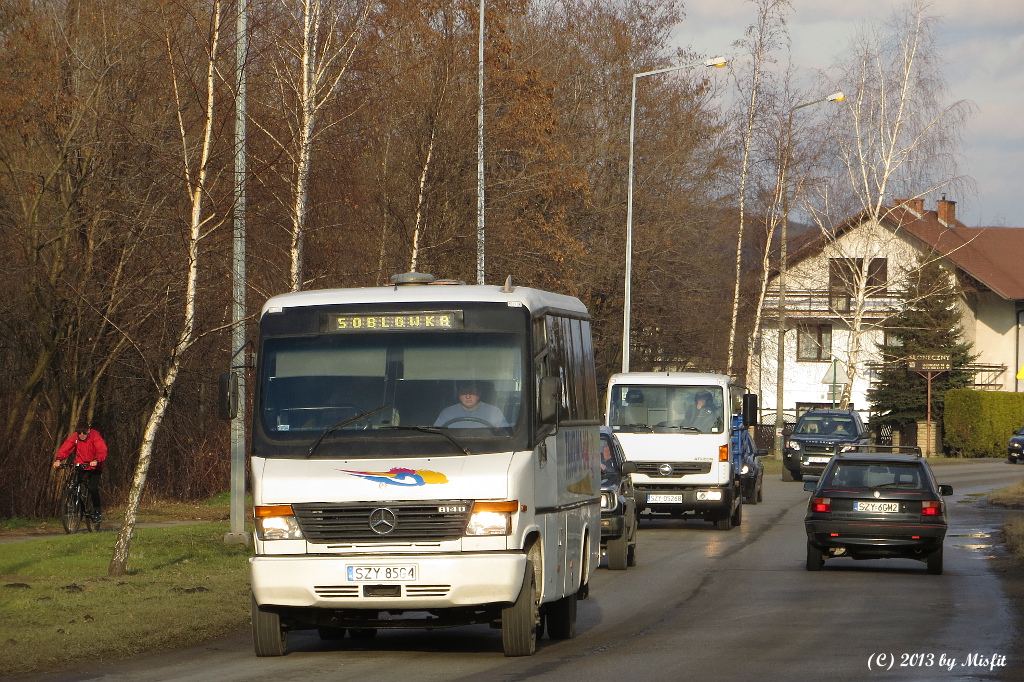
x: 382, y: 521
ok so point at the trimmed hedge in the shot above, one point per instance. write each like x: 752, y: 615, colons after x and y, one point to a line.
x: 979, y: 423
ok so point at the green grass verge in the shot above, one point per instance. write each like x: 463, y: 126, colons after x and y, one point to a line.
x: 184, y: 586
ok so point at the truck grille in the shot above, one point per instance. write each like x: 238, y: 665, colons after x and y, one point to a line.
x: 420, y: 522
x: 653, y: 469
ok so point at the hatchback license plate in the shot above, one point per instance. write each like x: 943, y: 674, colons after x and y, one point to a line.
x: 664, y: 499
x: 382, y: 574
x: 877, y: 507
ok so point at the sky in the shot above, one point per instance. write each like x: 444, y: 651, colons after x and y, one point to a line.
x: 982, y: 45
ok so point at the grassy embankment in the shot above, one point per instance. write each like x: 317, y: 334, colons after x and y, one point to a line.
x: 61, y: 609
x: 184, y: 586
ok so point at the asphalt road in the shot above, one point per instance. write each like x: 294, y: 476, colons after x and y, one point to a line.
x: 703, y: 605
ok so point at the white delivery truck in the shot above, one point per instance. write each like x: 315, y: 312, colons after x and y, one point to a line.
x: 681, y: 428
x: 423, y: 455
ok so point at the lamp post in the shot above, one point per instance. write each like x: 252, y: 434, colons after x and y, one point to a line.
x: 783, y: 180
x: 716, y: 62
x: 479, y: 152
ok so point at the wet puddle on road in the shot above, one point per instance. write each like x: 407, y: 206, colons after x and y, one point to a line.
x: 982, y: 550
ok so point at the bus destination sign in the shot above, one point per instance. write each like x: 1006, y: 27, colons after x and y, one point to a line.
x: 422, y: 321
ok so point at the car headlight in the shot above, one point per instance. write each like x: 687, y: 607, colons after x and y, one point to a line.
x: 1017, y: 446
x: 276, y: 522
x: 793, y: 445
x: 492, y: 518
x: 608, y: 500
x: 745, y: 469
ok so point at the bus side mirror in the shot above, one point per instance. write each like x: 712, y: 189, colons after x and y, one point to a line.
x: 227, y: 395
x: 550, y: 399
x: 749, y: 409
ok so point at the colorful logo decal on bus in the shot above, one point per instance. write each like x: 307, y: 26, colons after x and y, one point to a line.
x: 401, y: 477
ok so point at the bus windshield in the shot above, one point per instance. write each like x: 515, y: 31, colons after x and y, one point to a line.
x: 667, y: 409
x: 466, y: 382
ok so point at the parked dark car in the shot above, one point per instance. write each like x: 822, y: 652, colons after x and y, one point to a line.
x: 876, y: 502
x: 751, y: 468
x: 817, y: 436
x: 619, y: 518
x: 1015, y: 450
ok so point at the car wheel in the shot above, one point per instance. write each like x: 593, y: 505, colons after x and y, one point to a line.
x: 797, y: 476
x: 561, y: 617
x: 519, y: 622
x: 787, y: 474
x: 1011, y: 459
x: 935, y: 562
x: 268, y: 637
x: 760, y: 491
x: 724, y: 523
x: 631, y: 552
x: 815, y: 558
x: 617, y: 552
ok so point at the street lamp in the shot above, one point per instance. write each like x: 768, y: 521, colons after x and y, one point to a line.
x: 716, y: 62
x: 780, y: 369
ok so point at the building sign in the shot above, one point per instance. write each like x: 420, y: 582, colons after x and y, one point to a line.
x: 929, y: 363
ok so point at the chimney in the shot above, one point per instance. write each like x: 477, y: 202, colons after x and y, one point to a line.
x: 915, y: 205
x: 947, y: 211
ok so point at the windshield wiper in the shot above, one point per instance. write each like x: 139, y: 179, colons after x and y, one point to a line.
x: 342, y: 424
x: 432, y: 429
x: 634, y: 427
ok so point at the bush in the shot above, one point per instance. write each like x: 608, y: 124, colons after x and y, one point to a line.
x: 979, y: 423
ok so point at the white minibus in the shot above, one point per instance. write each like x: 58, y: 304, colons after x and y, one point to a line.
x: 423, y: 455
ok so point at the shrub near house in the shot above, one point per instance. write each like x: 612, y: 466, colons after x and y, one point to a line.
x: 979, y: 423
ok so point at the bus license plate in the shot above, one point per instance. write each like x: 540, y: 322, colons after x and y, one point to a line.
x: 382, y: 574
x: 664, y: 499
x: 877, y: 507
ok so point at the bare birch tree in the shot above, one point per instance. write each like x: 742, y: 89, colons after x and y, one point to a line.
x: 309, y: 66
x: 896, y: 138
x: 196, y: 174
x: 762, y: 37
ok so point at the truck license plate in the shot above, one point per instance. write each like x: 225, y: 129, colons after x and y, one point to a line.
x: 382, y: 574
x: 664, y: 499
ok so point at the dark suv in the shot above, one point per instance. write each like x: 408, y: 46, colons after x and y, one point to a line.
x: 619, y: 517
x: 818, y: 435
x: 875, y: 502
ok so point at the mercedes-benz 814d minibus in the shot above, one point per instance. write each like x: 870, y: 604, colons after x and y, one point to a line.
x: 423, y: 455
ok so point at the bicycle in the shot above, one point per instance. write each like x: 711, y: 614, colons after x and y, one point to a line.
x: 76, y: 503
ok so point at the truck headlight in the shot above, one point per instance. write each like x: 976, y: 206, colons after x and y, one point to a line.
x: 492, y: 518
x: 276, y: 522
x: 608, y: 500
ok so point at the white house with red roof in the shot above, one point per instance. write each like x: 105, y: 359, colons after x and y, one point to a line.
x: 843, y: 286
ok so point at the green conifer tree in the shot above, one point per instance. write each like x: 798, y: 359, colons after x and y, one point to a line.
x: 929, y: 323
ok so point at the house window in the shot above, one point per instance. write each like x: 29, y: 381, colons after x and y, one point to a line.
x: 878, y: 277
x: 814, y: 343
x: 842, y: 281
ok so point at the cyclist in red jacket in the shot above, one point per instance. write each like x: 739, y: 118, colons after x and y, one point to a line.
x: 90, y: 451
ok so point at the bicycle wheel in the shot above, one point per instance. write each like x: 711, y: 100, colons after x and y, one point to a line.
x: 71, y: 510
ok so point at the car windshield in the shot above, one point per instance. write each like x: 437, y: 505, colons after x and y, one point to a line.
x: 875, y: 475
x: 611, y: 459
x: 825, y: 425
x: 667, y: 409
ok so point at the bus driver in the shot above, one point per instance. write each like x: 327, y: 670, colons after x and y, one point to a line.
x: 470, y: 412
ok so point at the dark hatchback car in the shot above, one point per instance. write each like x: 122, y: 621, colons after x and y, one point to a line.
x: 1015, y: 450
x: 876, y: 502
x: 619, y: 520
x: 815, y: 438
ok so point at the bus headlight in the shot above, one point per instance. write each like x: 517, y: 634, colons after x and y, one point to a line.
x: 492, y: 518
x: 276, y: 522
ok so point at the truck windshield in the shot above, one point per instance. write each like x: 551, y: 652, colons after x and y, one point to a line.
x: 409, y: 384
x: 667, y: 409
